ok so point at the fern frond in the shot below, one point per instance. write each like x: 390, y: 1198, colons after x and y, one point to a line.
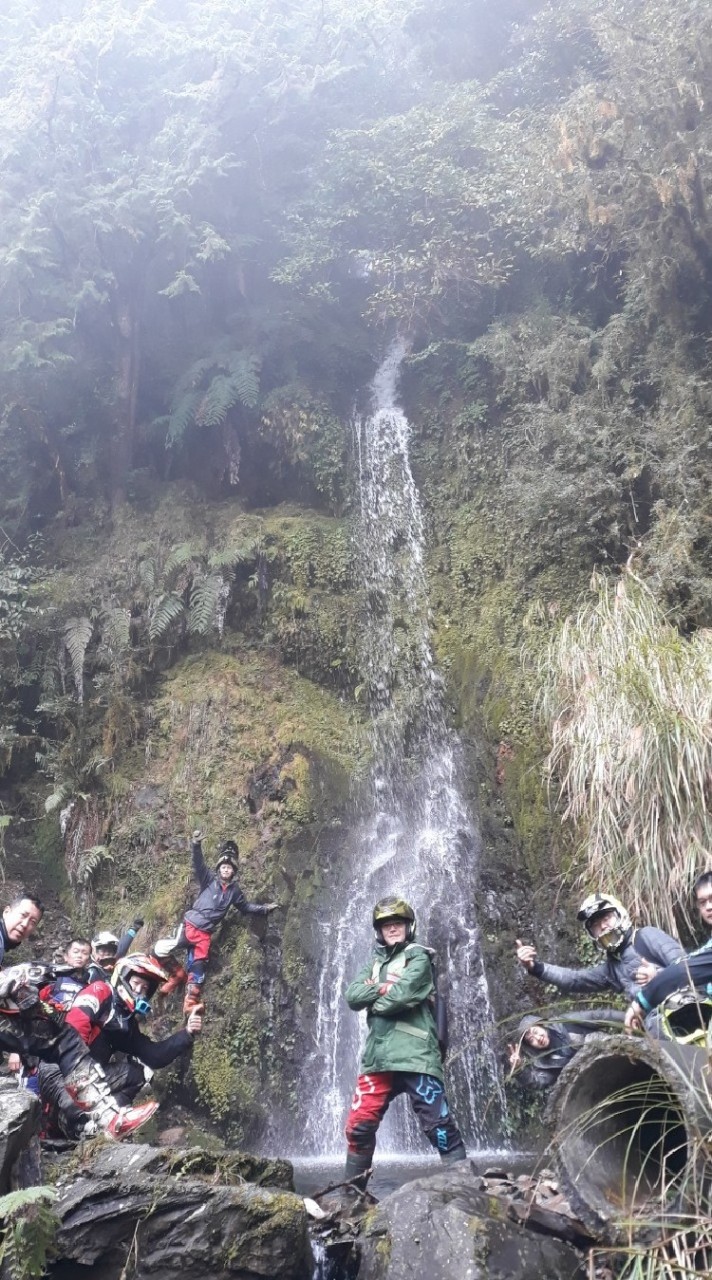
x: 235, y: 553
x: 77, y: 634
x: 181, y: 555
x: 90, y: 861
x: 182, y: 416
x: 148, y: 574
x: 245, y: 372
x: 116, y: 628
x: 167, y: 609
x: 221, y: 395
x: 58, y: 798
x: 205, y: 596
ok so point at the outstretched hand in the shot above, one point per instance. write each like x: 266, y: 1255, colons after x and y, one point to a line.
x: 197, y: 836
x: 271, y: 906
x: 526, y: 954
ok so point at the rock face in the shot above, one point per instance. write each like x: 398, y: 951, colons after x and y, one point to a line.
x: 445, y: 1228
x: 175, y: 1214
x: 19, y: 1124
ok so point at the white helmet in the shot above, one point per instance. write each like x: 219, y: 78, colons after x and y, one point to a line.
x: 598, y: 904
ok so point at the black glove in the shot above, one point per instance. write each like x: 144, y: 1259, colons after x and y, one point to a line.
x: 138, y: 924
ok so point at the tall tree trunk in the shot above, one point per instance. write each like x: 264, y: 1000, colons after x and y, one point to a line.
x: 127, y: 333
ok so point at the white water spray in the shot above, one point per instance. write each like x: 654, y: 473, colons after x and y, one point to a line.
x: 417, y: 839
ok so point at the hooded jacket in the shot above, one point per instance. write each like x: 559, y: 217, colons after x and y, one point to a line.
x: 401, y: 1027
x: 214, y: 900
x: 542, y: 1067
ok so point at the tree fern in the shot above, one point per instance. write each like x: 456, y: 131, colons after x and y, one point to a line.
x: 168, y: 608
x: 205, y: 596
x: 77, y: 634
x: 210, y: 388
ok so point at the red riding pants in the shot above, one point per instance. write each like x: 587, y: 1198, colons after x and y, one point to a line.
x: 375, y: 1092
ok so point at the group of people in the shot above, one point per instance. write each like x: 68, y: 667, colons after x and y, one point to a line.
x: 73, y: 1029
x: 667, y: 988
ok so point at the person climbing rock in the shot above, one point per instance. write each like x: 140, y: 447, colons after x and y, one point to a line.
x: 690, y: 973
x: 106, y: 1016
x: 402, y: 1054
x: 106, y: 949
x: 19, y: 920
x: 219, y: 891
x: 543, y: 1047
x: 69, y: 1080
x: 632, y: 956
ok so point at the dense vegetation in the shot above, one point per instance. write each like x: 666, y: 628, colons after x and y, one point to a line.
x: 212, y: 219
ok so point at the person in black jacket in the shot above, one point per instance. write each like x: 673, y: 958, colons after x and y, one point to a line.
x: 219, y: 891
x: 544, y: 1047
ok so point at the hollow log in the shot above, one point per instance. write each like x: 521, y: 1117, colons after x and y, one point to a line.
x: 633, y: 1136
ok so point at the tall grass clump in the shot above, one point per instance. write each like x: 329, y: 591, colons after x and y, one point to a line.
x: 629, y: 703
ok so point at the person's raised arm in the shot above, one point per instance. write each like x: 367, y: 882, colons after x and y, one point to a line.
x: 201, y: 870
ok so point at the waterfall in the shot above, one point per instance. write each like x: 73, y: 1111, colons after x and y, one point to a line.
x: 416, y: 837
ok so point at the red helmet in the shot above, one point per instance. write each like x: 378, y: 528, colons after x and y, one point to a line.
x: 143, y: 966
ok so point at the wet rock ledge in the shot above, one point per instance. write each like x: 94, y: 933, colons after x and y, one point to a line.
x: 171, y: 1213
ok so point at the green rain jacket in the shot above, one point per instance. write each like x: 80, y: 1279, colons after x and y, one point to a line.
x: 401, y: 1026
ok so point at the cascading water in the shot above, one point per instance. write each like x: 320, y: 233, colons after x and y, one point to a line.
x: 417, y: 838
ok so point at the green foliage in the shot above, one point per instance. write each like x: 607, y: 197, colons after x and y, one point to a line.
x: 77, y: 636
x: 210, y: 389
x: 629, y: 703
x: 27, y: 1230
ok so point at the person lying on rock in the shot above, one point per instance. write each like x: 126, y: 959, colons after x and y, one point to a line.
x: 691, y: 972
x: 219, y: 891
x: 19, y: 920
x: 69, y: 1080
x: 402, y: 1054
x: 543, y: 1047
x: 106, y: 949
x: 632, y: 956
x: 107, y: 1017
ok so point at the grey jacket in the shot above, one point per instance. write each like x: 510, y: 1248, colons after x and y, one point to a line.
x: 213, y: 902
x: 615, y: 972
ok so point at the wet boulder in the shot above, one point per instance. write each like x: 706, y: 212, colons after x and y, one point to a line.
x: 19, y: 1145
x: 446, y: 1228
x: 168, y: 1213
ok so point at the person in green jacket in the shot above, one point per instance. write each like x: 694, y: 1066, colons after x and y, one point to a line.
x: 402, y: 1054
